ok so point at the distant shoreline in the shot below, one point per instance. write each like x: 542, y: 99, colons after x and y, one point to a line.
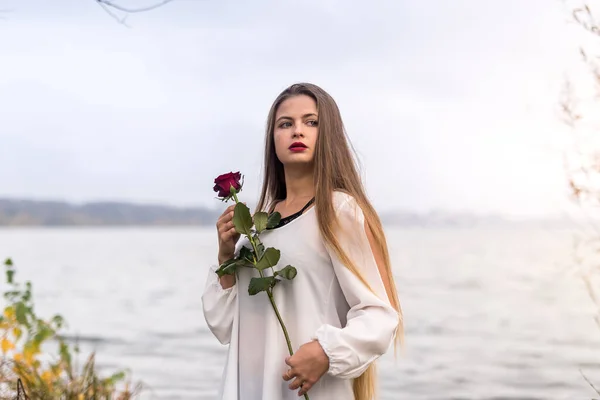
x: 36, y: 213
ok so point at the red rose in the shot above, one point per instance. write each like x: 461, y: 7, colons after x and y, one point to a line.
x: 224, y: 182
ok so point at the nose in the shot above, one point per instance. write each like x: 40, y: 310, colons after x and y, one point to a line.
x: 298, y: 130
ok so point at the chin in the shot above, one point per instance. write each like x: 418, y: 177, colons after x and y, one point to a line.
x: 297, y: 162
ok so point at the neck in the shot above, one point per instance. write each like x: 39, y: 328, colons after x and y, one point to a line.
x: 299, y: 185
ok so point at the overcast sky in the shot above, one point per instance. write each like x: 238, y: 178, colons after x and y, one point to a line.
x: 450, y: 105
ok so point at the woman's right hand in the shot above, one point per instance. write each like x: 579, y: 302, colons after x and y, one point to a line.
x: 228, y: 236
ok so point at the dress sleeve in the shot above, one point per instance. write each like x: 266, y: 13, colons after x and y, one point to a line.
x: 218, y: 305
x: 371, y: 322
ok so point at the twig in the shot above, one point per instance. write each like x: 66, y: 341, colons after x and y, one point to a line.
x: 589, y: 382
x: 21, y: 389
x: 109, y: 3
x: 112, y: 14
x: 588, y: 22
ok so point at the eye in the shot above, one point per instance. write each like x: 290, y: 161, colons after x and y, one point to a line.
x: 285, y: 124
x: 312, y: 122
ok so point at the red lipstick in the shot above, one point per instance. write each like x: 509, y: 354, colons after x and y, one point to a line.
x: 298, y: 146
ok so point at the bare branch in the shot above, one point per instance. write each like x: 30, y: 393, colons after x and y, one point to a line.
x: 585, y: 18
x: 583, y: 165
x: 110, y: 3
x: 567, y: 105
x: 113, y: 15
x: 588, y: 381
x: 108, y: 6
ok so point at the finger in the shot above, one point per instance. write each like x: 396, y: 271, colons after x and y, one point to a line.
x: 296, y: 384
x: 288, y: 375
x: 227, y: 214
x: 305, y: 388
x: 225, y: 218
x: 222, y: 219
x: 230, y: 234
x: 225, y: 227
x: 289, y: 361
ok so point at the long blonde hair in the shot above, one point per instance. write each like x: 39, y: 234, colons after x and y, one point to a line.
x: 334, y: 170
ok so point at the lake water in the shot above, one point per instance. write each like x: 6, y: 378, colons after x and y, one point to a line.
x: 490, y: 313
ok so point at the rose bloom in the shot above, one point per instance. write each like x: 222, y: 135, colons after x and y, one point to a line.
x: 224, y: 182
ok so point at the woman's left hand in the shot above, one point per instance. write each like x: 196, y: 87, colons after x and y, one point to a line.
x: 307, y: 365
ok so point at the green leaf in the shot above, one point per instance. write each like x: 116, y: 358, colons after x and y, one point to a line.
x: 261, y: 250
x: 260, y: 247
x: 65, y: 354
x: 246, y: 253
x: 8, y: 262
x: 269, y: 259
x: 260, y: 221
x: 10, y: 295
x: 273, y: 220
x: 116, y: 377
x: 21, y: 314
x: 258, y: 285
x: 242, y: 219
x: 58, y: 321
x: 10, y: 273
x: 288, y: 272
x: 230, y: 266
x: 227, y: 268
x: 43, y: 334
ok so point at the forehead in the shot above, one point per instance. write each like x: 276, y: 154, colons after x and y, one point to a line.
x: 297, y: 106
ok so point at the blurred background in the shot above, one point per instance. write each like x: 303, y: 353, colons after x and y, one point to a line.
x: 476, y: 125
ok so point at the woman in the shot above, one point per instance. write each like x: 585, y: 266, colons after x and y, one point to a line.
x: 341, y: 311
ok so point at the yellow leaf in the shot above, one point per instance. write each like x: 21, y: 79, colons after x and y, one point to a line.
x: 9, y: 313
x: 80, y: 397
x: 56, y: 370
x: 17, y: 332
x: 19, y: 357
x: 29, y: 356
x: 6, y: 345
x: 47, y: 377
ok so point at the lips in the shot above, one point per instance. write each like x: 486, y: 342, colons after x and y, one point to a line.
x: 298, y: 146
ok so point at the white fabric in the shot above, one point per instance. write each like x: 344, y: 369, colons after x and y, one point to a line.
x: 325, y: 302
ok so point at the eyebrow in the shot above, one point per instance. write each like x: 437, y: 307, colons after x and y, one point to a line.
x: 304, y: 116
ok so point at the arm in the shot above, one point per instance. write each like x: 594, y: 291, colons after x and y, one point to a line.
x: 218, y: 305
x: 371, y: 321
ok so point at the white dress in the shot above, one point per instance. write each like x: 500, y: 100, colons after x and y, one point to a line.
x: 324, y: 302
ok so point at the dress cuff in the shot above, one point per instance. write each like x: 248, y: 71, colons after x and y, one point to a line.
x: 341, y: 358
x: 217, y: 285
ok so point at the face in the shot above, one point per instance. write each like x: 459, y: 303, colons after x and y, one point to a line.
x: 296, y: 124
